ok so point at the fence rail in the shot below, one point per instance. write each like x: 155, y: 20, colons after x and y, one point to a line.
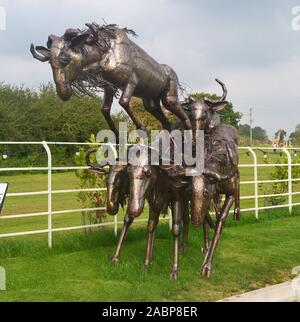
x: 50, y: 192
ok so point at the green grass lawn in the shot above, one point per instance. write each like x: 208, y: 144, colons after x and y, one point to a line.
x: 251, y: 255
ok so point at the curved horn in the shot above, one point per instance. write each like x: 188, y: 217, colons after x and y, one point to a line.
x: 212, y: 102
x: 37, y: 56
x: 93, y: 167
x: 224, y: 90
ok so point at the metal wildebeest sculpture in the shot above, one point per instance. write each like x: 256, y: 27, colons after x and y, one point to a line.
x: 105, y: 57
x: 141, y: 182
x: 117, y: 182
x: 153, y: 183
x: 221, y: 174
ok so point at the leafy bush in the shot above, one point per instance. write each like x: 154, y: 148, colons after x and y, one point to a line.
x: 90, y: 199
x: 281, y: 173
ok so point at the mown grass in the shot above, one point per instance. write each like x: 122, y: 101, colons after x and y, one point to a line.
x: 250, y: 255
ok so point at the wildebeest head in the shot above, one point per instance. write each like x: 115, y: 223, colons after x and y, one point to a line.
x: 117, y: 183
x: 117, y: 188
x: 141, y: 180
x: 67, y: 57
x: 204, y: 112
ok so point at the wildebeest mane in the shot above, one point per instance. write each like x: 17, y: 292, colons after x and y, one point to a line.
x: 91, y: 81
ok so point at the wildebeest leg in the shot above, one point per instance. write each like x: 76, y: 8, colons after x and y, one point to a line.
x: 171, y: 103
x: 176, y: 218
x: 217, y: 203
x: 206, y: 269
x: 127, y: 223
x: 152, y: 224
x: 206, y: 227
x: 186, y: 224
x: 153, y: 107
x: 125, y: 103
x: 106, y: 108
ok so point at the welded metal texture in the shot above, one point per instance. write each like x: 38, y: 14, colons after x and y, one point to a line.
x: 104, y: 57
x: 165, y: 186
x: 161, y: 186
x: 117, y: 182
x: 161, y: 190
x: 221, y: 174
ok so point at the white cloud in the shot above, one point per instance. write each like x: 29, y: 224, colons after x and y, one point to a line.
x: 248, y: 45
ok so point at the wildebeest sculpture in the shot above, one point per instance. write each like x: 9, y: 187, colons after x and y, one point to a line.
x: 154, y: 184
x: 221, y: 174
x: 163, y: 186
x: 117, y: 193
x: 117, y: 182
x: 105, y: 57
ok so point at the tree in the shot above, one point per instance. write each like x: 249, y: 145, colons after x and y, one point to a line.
x: 244, y: 130
x: 280, y: 136
x: 259, y: 134
x: 28, y: 115
x: 295, y: 136
x: 37, y: 115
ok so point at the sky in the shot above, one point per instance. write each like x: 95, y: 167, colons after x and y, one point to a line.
x: 249, y: 45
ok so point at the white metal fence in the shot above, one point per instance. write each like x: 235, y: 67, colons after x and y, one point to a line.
x: 50, y: 192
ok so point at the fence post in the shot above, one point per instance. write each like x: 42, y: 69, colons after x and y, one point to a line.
x: 46, y: 147
x: 170, y: 219
x: 255, y: 180
x: 290, y: 182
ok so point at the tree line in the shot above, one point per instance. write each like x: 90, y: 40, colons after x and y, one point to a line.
x: 37, y: 115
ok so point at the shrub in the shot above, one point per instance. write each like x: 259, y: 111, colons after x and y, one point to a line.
x: 91, y: 199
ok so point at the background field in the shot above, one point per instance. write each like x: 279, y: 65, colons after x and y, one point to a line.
x: 68, y: 180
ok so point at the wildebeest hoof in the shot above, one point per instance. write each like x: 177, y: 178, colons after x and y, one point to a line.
x: 237, y: 215
x: 115, y: 260
x: 174, y: 275
x: 206, y: 270
x: 147, y: 263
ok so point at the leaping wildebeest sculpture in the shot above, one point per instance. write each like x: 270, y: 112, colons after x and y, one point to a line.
x: 105, y: 57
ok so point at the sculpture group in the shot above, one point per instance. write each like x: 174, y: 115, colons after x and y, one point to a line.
x: 105, y: 57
